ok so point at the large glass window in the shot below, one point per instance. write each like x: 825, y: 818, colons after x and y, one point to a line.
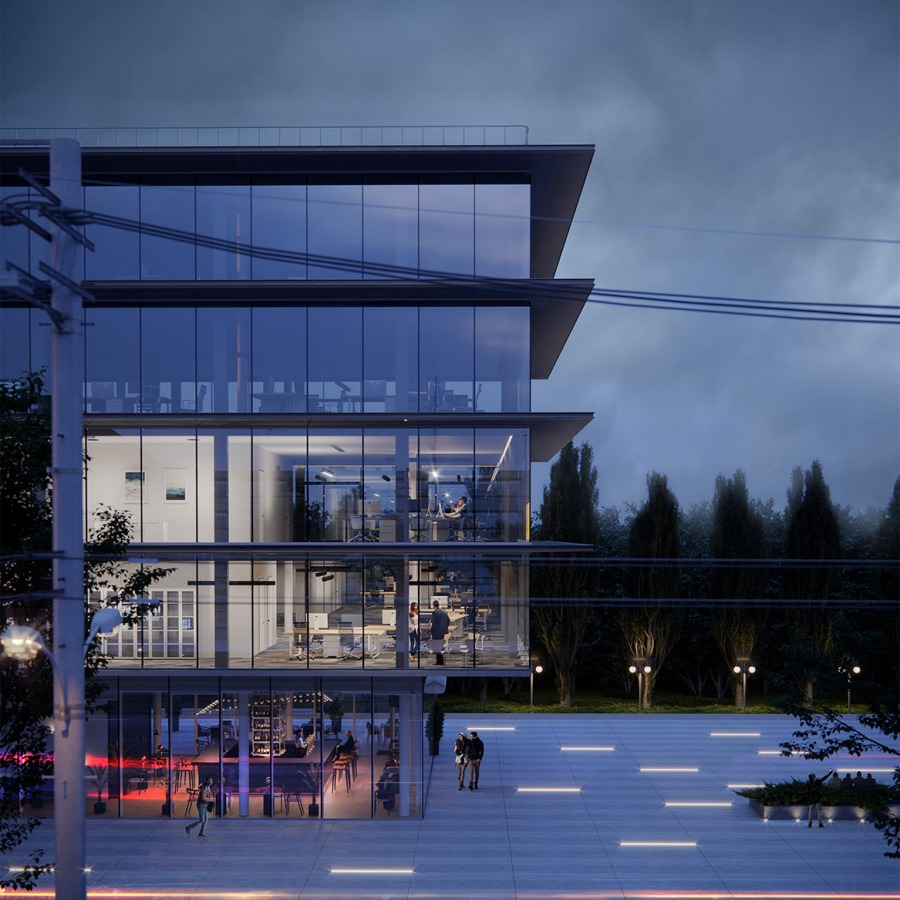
x: 167, y: 206
x: 391, y: 359
x: 279, y: 359
x: 390, y: 230
x: 447, y: 229
x: 335, y: 359
x: 112, y: 360
x: 14, y: 356
x: 223, y: 361
x: 502, y: 229
x: 14, y: 238
x: 223, y: 213
x: 446, y: 358
x: 279, y: 223
x: 168, y: 359
x: 335, y: 230
x: 117, y: 251
x: 502, y: 359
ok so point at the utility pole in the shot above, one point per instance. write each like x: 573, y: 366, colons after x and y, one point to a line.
x: 67, y: 378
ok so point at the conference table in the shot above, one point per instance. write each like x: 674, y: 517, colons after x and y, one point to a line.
x: 369, y: 636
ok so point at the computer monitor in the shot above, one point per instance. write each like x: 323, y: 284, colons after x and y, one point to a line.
x: 318, y: 621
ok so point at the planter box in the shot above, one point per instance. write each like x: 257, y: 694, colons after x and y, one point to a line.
x: 798, y: 812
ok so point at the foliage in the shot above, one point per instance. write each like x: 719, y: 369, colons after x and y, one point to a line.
x: 874, y: 797
x: 649, y: 631
x: 568, y: 513
x: 434, y: 724
x: 26, y: 690
x: 99, y: 778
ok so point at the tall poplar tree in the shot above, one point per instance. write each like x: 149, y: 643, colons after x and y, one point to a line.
x: 568, y: 513
x: 737, y: 533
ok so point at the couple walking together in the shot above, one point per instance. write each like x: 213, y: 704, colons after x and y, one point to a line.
x: 468, y: 754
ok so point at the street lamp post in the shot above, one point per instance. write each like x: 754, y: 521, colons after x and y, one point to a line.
x: 535, y: 668
x: 849, y: 671
x: 744, y: 667
x: 641, y: 667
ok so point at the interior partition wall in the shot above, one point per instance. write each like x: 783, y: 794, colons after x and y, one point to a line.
x: 268, y: 744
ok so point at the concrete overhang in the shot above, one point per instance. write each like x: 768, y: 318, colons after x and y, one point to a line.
x: 556, y: 173
x: 550, y: 431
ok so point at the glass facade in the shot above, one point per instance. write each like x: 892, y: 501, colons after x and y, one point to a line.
x: 270, y: 746
x: 280, y: 359
x: 316, y: 473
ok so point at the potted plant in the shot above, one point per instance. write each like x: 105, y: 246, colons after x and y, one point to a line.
x: 99, y: 778
x: 434, y: 727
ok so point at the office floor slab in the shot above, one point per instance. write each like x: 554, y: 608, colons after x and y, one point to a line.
x: 603, y: 831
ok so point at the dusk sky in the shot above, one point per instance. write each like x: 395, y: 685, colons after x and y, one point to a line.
x: 708, y: 117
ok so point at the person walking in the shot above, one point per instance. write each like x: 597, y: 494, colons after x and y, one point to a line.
x: 474, y: 754
x: 460, y: 750
x: 205, y: 803
x: 814, y: 796
x: 440, y: 626
x: 413, y: 631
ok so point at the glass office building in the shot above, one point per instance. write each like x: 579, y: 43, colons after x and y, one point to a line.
x: 307, y: 380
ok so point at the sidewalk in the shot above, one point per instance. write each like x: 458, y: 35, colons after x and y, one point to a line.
x: 503, y: 843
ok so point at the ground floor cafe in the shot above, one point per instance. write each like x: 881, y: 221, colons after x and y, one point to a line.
x: 272, y: 746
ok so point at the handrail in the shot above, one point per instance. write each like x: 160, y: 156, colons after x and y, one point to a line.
x: 277, y: 136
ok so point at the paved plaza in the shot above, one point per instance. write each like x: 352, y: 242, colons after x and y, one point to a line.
x: 592, y: 838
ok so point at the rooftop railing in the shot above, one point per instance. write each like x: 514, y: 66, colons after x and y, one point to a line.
x: 279, y: 136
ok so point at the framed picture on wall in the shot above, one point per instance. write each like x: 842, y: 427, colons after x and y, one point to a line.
x: 175, y: 485
x: 134, y: 487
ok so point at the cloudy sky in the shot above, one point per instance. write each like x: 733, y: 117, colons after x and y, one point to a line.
x: 709, y: 117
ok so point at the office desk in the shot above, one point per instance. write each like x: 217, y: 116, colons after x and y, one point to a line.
x: 331, y: 638
x: 280, y: 402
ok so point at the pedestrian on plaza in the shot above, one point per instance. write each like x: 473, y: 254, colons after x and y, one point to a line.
x: 413, y: 631
x: 460, y: 750
x: 440, y: 626
x: 814, y: 797
x: 205, y: 804
x: 835, y: 782
x: 474, y: 754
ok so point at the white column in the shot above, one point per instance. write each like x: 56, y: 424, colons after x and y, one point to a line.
x: 67, y: 378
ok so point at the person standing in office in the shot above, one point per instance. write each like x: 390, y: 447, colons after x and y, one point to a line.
x: 440, y: 626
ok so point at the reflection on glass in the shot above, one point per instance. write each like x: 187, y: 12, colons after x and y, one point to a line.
x: 447, y: 229
x: 223, y: 363
x: 502, y: 359
x: 502, y: 228
x: 390, y: 230
x: 223, y: 213
x: 112, y: 357
x: 279, y: 359
x: 14, y: 362
x: 279, y: 223
x: 446, y: 359
x: 335, y: 230
x: 168, y: 359
x: 117, y: 251
x: 390, y: 359
x: 335, y: 359
x: 167, y: 206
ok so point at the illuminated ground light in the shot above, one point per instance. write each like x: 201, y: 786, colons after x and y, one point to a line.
x: 754, y: 895
x: 587, y: 749
x: 371, y: 871
x: 867, y: 769
x: 698, y: 803
x: 778, y: 753
x: 657, y: 843
x: 491, y: 728
x: 549, y: 790
x: 738, y: 787
x: 668, y: 769
x: 735, y: 734
x: 162, y: 894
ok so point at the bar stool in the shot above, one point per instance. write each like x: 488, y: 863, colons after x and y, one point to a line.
x: 292, y: 797
x: 340, y: 768
x: 192, y: 798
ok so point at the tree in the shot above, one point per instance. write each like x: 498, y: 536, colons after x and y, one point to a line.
x: 737, y: 533
x: 568, y: 513
x: 26, y: 690
x: 649, y: 631
x: 812, y: 535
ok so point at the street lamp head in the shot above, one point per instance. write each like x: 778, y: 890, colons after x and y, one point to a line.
x: 856, y: 670
x: 538, y: 668
x: 751, y: 669
x: 106, y: 621
x: 648, y: 669
x: 632, y: 669
x: 22, y: 642
x: 736, y: 670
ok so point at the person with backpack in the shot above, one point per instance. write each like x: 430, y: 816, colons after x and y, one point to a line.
x: 205, y: 804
